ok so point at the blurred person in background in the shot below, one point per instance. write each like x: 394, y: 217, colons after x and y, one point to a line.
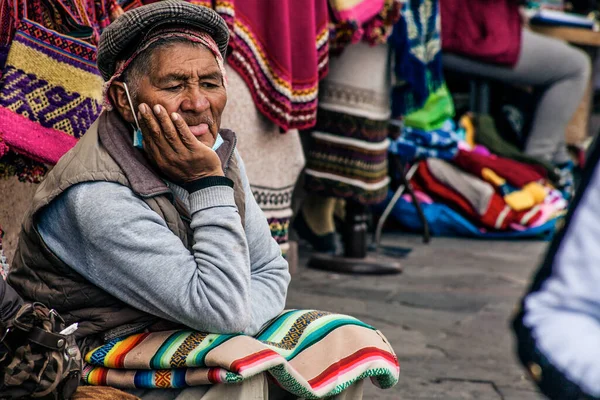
x: 489, y: 39
x: 558, y: 324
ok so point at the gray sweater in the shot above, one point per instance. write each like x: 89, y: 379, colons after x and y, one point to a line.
x: 235, y: 280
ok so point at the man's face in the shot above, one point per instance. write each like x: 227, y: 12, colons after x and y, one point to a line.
x: 186, y: 79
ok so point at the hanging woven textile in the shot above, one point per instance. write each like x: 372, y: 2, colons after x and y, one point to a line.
x: 280, y: 49
x: 50, y: 88
x: 417, y: 55
x: 50, y: 92
x: 347, y: 156
x: 82, y: 19
x: 272, y: 161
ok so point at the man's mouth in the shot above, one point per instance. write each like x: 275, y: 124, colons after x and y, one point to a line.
x: 199, y: 130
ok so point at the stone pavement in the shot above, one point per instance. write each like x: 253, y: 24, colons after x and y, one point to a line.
x: 447, y: 316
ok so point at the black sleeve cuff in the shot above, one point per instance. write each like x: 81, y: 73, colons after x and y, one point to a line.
x: 209, y: 181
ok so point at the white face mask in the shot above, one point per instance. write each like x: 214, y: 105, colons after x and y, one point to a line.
x: 137, y: 131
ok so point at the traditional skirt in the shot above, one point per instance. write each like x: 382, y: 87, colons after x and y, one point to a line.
x: 273, y: 161
x: 280, y: 48
x: 347, y: 154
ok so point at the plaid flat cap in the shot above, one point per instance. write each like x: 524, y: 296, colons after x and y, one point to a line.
x: 122, y: 36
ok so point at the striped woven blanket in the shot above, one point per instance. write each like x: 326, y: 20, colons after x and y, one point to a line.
x: 311, y: 354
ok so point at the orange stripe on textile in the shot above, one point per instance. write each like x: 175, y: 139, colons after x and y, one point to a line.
x: 97, y: 377
x: 116, y: 357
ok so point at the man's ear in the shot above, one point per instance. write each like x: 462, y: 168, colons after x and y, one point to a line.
x: 118, y: 98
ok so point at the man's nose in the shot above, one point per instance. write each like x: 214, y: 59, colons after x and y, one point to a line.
x: 194, y: 101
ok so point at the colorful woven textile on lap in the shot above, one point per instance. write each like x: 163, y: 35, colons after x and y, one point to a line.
x: 417, y: 51
x: 280, y: 48
x: 311, y: 354
x: 348, y: 158
x: 367, y: 20
x: 50, y: 92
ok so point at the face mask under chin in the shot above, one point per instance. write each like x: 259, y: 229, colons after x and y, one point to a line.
x: 137, y: 131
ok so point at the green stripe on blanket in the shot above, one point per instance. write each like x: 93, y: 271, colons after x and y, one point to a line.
x: 311, y: 354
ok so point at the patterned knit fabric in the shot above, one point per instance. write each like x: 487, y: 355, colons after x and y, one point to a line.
x: 311, y: 354
x: 273, y: 161
x: 418, y: 58
x: 83, y: 19
x: 280, y: 48
x: 340, y: 166
x: 50, y: 92
x: 276, y: 203
x: 347, y: 157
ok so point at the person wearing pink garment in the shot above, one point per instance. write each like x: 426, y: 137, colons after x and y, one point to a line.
x: 489, y: 39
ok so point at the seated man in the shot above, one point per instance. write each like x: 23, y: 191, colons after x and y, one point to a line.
x: 124, y: 237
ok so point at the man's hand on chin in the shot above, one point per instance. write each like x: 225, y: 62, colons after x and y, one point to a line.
x: 172, y: 147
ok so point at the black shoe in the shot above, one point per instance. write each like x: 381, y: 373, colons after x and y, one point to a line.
x: 321, y: 243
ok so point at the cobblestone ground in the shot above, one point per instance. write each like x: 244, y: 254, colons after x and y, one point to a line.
x: 447, y: 316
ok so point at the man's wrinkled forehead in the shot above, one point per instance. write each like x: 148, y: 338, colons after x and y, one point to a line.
x: 187, y: 35
x: 166, y: 33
